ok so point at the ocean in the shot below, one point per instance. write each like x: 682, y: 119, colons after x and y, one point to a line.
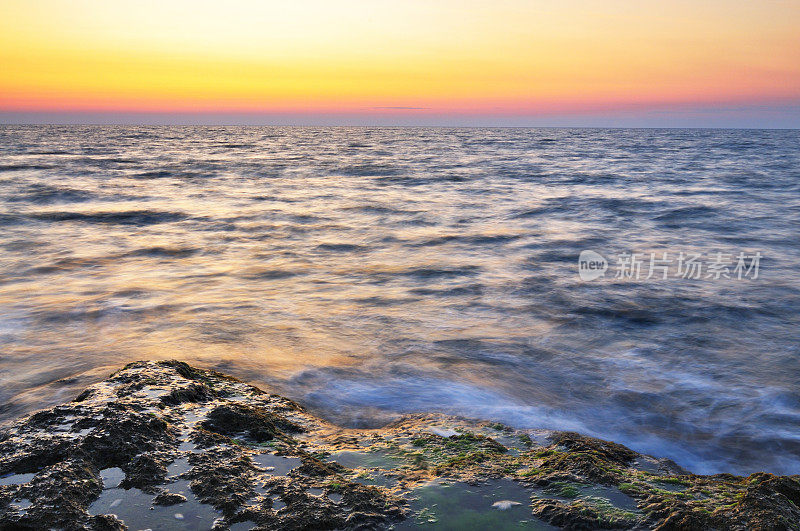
x: 370, y: 272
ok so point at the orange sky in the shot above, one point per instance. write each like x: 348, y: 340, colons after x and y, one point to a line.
x: 500, y: 57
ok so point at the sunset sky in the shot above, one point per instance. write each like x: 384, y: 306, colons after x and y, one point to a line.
x: 504, y: 62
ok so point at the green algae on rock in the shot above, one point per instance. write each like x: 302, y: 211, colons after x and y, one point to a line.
x: 166, y: 445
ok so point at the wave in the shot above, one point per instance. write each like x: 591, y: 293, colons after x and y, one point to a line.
x: 164, y: 252
x: 688, y: 212
x: 341, y: 247
x: 43, y: 194
x: 22, y: 167
x: 270, y: 274
x: 425, y: 273
x: 130, y: 217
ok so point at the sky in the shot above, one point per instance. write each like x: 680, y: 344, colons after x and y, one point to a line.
x: 715, y: 63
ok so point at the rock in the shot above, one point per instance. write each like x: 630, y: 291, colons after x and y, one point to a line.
x: 168, y: 498
x: 191, y: 393
x: 254, y: 422
x: 171, y: 427
x: 105, y: 522
x: 223, y: 477
x: 146, y: 470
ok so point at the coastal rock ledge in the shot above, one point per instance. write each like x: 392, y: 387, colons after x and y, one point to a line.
x: 163, y: 445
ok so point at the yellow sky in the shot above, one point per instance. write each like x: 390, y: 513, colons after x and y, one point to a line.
x: 446, y: 56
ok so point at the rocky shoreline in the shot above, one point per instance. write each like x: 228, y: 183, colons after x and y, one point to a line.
x: 163, y: 445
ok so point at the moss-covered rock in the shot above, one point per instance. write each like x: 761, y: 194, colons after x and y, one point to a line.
x: 184, y: 439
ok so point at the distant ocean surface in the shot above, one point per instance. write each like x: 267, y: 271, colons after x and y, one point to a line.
x: 368, y: 272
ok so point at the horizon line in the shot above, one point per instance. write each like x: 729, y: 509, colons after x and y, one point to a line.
x: 761, y: 115
x: 401, y: 126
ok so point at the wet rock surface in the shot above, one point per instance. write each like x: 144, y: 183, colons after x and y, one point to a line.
x: 163, y: 445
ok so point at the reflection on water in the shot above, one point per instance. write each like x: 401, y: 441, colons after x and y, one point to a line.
x: 501, y: 505
x: 373, y: 271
